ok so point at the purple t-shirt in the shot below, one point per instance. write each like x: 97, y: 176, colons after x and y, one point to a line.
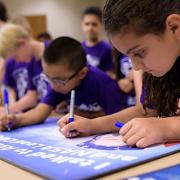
x: 99, y: 55
x: 16, y: 77
x: 97, y: 91
x: 37, y: 80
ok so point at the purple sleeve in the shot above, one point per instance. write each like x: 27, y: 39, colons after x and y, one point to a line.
x: 107, y: 63
x: 53, y: 98
x: 7, y: 77
x: 110, y: 97
x: 30, y: 68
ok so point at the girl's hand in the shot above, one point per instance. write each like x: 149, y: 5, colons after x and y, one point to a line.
x: 80, y: 126
x: 143, y: 132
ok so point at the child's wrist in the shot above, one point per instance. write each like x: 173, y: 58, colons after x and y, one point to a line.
x: 17, y: 121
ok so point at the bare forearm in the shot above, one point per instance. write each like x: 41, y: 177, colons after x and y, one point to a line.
x: 28, y: 101
x: 34, y: 116
x: 106, y: 123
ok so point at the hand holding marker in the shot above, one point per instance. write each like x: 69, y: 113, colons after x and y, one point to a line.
x: 6, y: 108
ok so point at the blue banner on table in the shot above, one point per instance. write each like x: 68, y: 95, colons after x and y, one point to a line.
x: 171, y: 173
x: 43, y: 150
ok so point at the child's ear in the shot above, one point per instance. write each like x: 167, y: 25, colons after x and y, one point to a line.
x: 83, y: 72
x: 173, y: 24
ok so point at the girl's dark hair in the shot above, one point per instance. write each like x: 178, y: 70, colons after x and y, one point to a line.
x: 3, y: 12
x: 164, y: 92
x: 66, y: 50
x: 93, y: 10
x: 144, y: 17
x: 139, y: 16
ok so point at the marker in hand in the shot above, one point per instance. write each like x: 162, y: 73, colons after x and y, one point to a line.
x: 119, y: 124
x: 6, y: 108
x: 72, y: 102
x: 71, y: 111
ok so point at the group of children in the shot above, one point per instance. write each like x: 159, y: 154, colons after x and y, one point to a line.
x: 42, y: 74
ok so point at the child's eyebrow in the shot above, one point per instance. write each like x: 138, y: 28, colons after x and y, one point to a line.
x: 132, y: 48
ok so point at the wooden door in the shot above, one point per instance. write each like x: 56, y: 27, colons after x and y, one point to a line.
x: 38, y: 24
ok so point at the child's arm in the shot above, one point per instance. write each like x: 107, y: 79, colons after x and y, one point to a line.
x: 27, y: 101
x: 2, y: 68
x: 34, y: 116
x: 102, y: 124
x: 126, y: 85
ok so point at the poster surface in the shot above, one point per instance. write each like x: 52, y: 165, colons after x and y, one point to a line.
x: 43, y: 150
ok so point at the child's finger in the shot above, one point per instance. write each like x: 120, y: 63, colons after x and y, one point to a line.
x: 73, y: 134
x: 142, y: 143
x: 3, y: 122
x: 131, y: 141
x: 125, y: 128
x: 67, y: 128
x: 63, y: 121
x: 131, y: 132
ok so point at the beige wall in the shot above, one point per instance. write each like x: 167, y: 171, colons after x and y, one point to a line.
x: 63, y: 16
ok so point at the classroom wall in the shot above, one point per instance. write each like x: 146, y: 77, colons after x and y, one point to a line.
x: 63, y: 16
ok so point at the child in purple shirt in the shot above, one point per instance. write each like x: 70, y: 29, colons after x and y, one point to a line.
x: 99, y: 52
x: 64, y: 65
x: 24, y: 51
x: 96, y: 92
x: 125, y: 82
x: 99, y: 55
x: 37, y: 80
x: 16, y: 78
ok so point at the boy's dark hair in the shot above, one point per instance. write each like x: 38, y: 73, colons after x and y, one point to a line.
x: 138, y: 16
x: 94, y: 10
x: 66, y: 50
x: 44, y: 35
x: 143, y: 17
x: 3, y: 12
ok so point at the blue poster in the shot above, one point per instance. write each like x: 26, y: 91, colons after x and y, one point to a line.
x: 43, y: 150
x: 170, y: 173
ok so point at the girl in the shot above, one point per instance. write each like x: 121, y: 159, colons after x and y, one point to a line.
x: 151, y: 38
x: 17, y: 44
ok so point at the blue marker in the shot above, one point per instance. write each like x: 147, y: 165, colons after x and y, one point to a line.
x: 6, y: 108
x: 119, y: 124
x: 72, y: 102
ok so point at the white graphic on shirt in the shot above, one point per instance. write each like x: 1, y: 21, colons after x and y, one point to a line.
x: 41, y: 85
x: 90, y: 107
x: 126, y: 65
x: 21, y: 78
x: 93, y: 60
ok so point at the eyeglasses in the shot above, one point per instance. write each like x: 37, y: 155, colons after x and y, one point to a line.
x: 60, y: 81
